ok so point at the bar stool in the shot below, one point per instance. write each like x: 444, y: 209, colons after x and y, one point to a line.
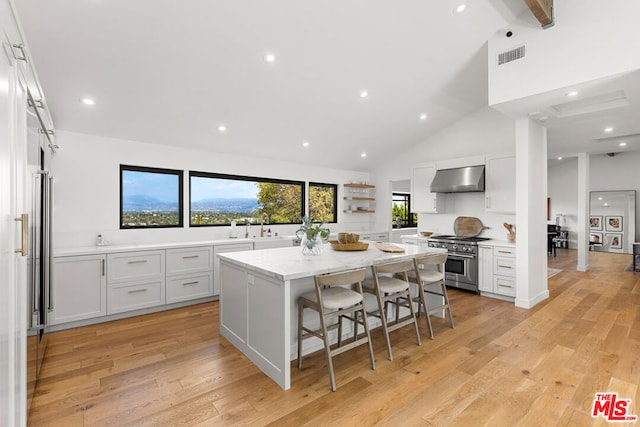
x: 392, y: 289
x: 331, y: 300
x: 427, y: 279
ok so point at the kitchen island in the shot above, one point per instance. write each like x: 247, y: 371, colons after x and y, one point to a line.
x: 259, y: 293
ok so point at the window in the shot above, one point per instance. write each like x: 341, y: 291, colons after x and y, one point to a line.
x: 400, y: 209
x: 150, y: 197
x: 323, y: 202
x: 217, y: 199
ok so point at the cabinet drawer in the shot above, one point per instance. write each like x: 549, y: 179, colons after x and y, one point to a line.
x: 504, y: 266
x: 185, y: 288
x: 504, y: 252
x: 133, y: 297
x: 133, y: 266
x: 504, y: 285
x: 189, y: 260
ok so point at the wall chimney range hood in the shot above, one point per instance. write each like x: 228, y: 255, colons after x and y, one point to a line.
x: 459, y: 180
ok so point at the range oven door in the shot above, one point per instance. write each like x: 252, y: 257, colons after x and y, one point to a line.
x: 461, y: 271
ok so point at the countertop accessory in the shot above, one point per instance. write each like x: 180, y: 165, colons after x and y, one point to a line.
x: 511, y: 236
x: 348, y: 237
x: 426, y: 233
x: 311, y: 235
x: 388, y: 247
x: 358, y: 246
x: 468, y: 226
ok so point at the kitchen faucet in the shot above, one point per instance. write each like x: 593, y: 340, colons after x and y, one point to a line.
x: 262, y: 220
x: 247, y: 227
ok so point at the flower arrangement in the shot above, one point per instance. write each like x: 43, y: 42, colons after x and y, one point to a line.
x: 311, y: 235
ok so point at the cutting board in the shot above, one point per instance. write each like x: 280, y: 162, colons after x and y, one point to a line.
x: 388, y: 247
x: 468, y: 226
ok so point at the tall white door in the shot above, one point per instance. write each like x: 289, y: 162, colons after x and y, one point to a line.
x: 12, y: 265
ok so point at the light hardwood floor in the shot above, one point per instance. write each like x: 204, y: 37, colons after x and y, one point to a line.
x: 500, y: 366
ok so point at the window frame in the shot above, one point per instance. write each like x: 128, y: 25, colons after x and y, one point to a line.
x: 149, y: 169
x: 410, y: 223
x: 214, y: 175
x: 335, y: 199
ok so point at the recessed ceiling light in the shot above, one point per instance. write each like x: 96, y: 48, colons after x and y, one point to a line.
x: 606, y: 204
x: 599, y: 198
x: 459, y: 9
x: 88, y: 101
x: 364, y: 94
x: 608, y: 130
x: 559, y: 158
x: 423, y: 116
x: 363, y: 155
x: 623, y: 144
x: 572, y: 93
x: 305, y: 143
x: 222, y: 128
x: 269, y: 57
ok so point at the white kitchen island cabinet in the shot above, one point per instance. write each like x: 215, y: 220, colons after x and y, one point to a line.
x: 259, y: 293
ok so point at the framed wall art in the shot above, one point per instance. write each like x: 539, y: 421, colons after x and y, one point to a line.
x: 613, y: 223
x: 595, y: 237
x: 595, y: 223
x: 615, y: 240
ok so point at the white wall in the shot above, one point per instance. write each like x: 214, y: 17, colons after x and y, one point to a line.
x: 620, y: 172
x: 485, y: 131
x: 87, y: 180
x: 591, y: 39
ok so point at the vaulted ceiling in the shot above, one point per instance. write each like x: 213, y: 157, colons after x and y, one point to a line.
x: 174, y: 72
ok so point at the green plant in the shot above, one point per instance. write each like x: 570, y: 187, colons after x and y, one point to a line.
x: 311, y: 230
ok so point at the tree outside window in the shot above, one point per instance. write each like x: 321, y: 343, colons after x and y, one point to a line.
x: 400, y: 208
x: 323, y: 202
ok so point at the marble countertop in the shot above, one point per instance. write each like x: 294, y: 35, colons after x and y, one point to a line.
x: 290, y: 263
x: 93, y: 250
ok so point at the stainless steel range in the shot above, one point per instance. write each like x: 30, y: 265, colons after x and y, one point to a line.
x: 462, y: 263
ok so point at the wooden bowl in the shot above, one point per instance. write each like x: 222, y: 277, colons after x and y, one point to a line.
x: 348, y: 238
x: 426, y: 233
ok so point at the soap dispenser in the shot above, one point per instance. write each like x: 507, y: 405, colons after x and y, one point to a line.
x: 232, y: 232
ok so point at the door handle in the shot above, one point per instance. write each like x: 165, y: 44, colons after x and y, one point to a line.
x: 24, y: 219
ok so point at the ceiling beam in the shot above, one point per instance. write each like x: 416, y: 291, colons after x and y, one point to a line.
x: 542, y: 10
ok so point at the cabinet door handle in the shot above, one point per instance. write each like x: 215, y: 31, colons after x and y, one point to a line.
x: 505, y: 286
x: 24, y: 219
x: 135, y: 291
x: 103, y: 267
x: 505, y: 252
x: 504, y: 266
x: 140, y: 261
x: 190, y: 256
x: 487, y: 203
x: 190, y: 283
x: 435, y: 204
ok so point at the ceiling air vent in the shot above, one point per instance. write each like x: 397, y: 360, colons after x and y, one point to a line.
x: 511, y: 55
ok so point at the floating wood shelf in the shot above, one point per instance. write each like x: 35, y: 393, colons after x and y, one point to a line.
x: 360, y: 185
x: 359, y: 198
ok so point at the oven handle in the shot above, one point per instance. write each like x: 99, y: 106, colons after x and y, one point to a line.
x: 461, y: 256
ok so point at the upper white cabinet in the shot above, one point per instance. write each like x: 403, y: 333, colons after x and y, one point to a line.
x: 500, y: 184
x: 422, y: 199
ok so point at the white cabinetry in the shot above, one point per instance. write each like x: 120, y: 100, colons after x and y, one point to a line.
x: 79, y: 288
x: 189, y: 273
x: 270, y: 243
x: 497, y: 271
x: 374, y: 237
x: 422, y: 199
x: 220, y: 249
x: 135, y: 280
x: 500, y: 184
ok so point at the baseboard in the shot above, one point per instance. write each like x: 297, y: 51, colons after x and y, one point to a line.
x: 524, y: 303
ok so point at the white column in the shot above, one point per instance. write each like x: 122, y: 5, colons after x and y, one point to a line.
x: 531, y: 213
x: 583, y: 212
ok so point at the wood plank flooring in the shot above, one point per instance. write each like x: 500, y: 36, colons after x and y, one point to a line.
x: 500, y: 366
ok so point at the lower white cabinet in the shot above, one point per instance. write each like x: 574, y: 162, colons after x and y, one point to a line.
x: 497, y: 270
x: 135, y: 280
x: 78, y: 289
x: 220, y: 249
x: 374, y: 237
x: 189, y: 273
